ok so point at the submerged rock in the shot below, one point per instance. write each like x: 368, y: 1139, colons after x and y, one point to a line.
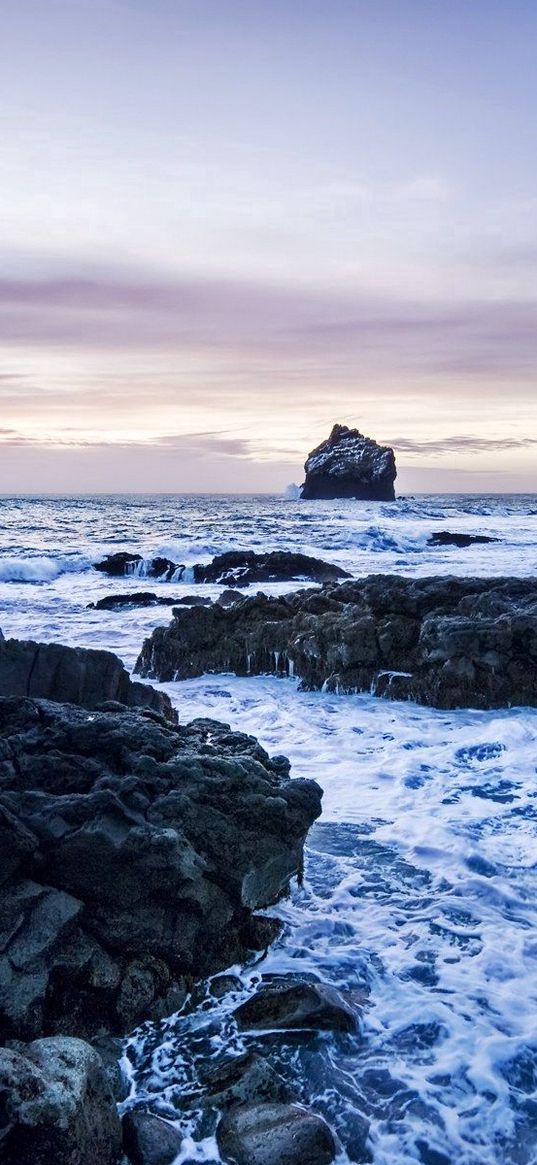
x: 349, y: 465
x: 133, y: 855
x: 56, y: 1106
x: 77, y: 675
x: 148, y: 599
x: 289, y: 1004
x: 448, y: 642
x: 275, y: 1134
x: 448, y: 538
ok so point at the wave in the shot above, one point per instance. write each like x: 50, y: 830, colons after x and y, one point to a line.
x: 39, y: 569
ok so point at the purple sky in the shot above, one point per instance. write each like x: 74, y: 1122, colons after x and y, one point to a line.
x: 226, y: 224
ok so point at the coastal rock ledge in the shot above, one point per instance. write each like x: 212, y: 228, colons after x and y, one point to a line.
x: 135, y: 854
x: 349, y: 465
x: 448, y: 642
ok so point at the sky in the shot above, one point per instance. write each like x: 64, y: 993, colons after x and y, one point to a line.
x: 227, y: 224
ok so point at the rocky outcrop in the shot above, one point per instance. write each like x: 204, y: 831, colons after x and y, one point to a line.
x: 449, y: 538
x: 289, y: 1003
x: 349, y: 465
x: 77, y: 675
x: 147, y: 599
x: 56, y: 1105
x: 134, y: 855
x: 447, y: 642
x: 237, y: 568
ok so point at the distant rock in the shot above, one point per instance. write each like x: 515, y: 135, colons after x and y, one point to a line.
x: 448, y: 538
x: 134, y: 855
x: 444, y: 641
x: 123, y: 563
x: 77, y: 675
x: 349, y: 465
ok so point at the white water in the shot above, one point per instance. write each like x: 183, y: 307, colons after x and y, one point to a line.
x: 421, y: 877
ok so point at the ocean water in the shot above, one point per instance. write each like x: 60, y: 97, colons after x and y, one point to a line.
x: 420, y: 889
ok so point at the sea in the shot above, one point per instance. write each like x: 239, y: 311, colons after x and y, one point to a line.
x: 419, y: 899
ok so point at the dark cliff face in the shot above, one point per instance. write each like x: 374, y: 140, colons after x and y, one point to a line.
x: 349, y: 465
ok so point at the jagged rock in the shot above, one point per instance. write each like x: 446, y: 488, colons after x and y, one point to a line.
x: 77, y: 675
x: 349, y: 465
x: 275, y: 1134
x: 289, y: 1004
x: 148, y: 599
x: 241, y: 1080
x: 448, y: 642
x: 133, y: 854
x: 447, y: 538
x: 239, y: 568
x: 150, y: 1140
x: 56, y: 1106
x: 229, y: 597
x: 124, y: 563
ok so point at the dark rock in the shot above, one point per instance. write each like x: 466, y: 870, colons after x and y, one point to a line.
x: 275, y: 1134
x: 448, y: 642
x: 148, y: 599
x: 447, y: 538
x: 241, y: 1080
x: 289, y: 1004
x: 349, y: 465
x: 124, y: 563
x: 75, y: 675
x: 239, y: 568
x: 222, y: 984
x: 133, y: 855
x: 150, y: 1140
x: 229, y: 597
x: 56, y: 1106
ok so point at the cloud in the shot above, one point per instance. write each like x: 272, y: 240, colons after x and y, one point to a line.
x: 220, y: 318
x: 463, y: 444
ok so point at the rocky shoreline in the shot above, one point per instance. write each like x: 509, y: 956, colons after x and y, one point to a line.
x: 443, y: 641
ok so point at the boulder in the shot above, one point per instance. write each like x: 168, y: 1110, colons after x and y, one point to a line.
x: 289, y: 1004
x: 349, y: 465
x: 134, y: 853
x: 150, y: 1140
x: 448, y: 642
x: 448, y: 538
x: 241, y: 1080
x: 275, y: 1134
x: 126, y: 563
x: 56, y: 1106
x: 78, y: 675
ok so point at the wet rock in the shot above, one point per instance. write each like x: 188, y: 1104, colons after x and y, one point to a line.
x: 125, y: 563
x: 147, y: 599
x: 275, y: 1134
x: 243, y: 1079
x: 77, y: 675
x: 229, y: 597
x: 444, y: 641
x: 447, y: 538
x: 349, y: 465
x: 133, y: 855
x: 150, y: 1140
x: 241, y: 567
x: 221, y: 985
x: 287, y: 1004
x: 56, y: 1105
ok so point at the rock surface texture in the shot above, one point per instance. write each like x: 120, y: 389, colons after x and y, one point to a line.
x: 236, y: 568
x: 77, y: 675
x: 133, y: 855
x: 448, y: 642
x: 349, y: 465
x: 56, y: 1106
x: 275, y: 1134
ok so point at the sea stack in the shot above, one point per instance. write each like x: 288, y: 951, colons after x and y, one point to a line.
x: 349, y: 465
